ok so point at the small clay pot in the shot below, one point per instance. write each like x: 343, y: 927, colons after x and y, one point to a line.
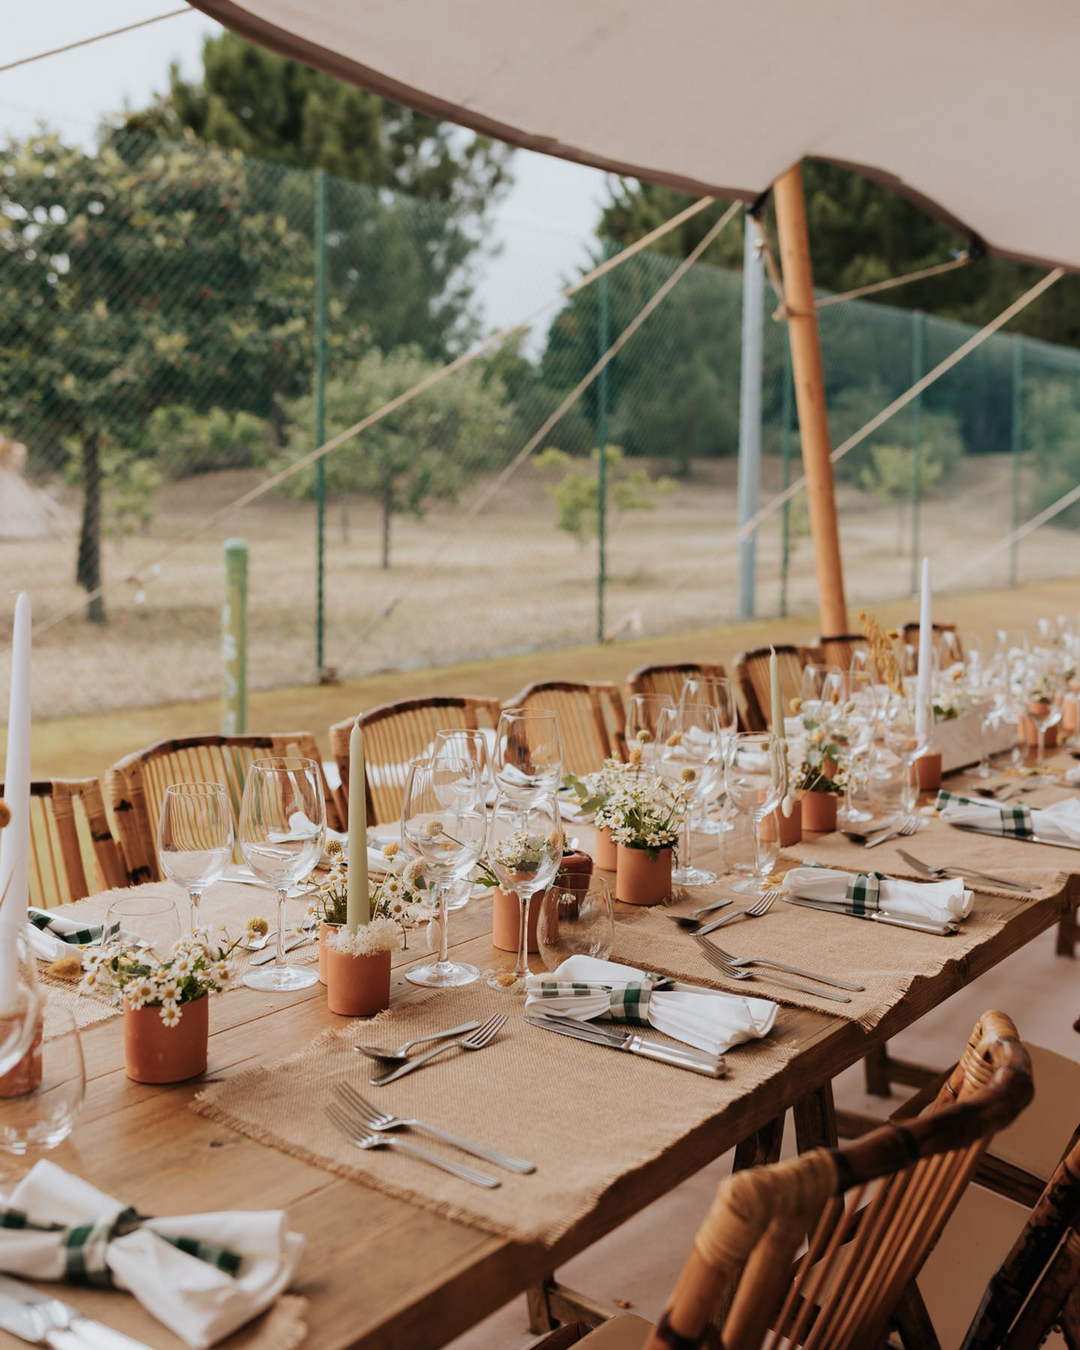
x: 357, y: 986
x: 1028, y: 732
x: 575, y: 871
x: 24, y: 1077
x: 787, y: 830
x: 642, y: 879
x: 506, y: 919
x: 819, y: 811
x: 155, y: 1053
x: 325, y: 931
x: 928, y: 768
x: 606, y: 850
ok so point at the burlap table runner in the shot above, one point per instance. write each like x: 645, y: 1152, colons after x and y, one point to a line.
x: 584, y: 1114
x: 884, y: 959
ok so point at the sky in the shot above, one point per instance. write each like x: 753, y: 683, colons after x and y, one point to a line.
x: 542, y: 226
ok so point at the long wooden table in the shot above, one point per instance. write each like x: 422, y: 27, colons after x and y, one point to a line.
x: 379, y: 1272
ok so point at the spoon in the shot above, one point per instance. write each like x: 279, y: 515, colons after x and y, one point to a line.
x: 401, y: 1054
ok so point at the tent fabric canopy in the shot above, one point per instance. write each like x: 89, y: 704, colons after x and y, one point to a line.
x: 968, y: 108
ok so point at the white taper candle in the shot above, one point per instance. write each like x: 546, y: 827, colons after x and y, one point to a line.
x: 358, y: 903
x: 926, y: 657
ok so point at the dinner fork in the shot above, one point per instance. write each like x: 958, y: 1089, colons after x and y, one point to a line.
x: 365, y: 1141
x: 790, y: 970
x: 714, y: 958
x: 368, y: 1117
x: 756, y: 910
x: 911, y: 825
x: 476, y: 1040
x: 940, y: 873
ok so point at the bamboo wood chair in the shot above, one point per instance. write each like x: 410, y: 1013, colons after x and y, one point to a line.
x: 397, y: 733
x: 668, y: 679
x: 838, y: 650
x: 868, y: 1214
x: 910, y: 633
x: 751, y: 674
x: 72, y: 850
x: 591, y: 719
x: 135, y: 785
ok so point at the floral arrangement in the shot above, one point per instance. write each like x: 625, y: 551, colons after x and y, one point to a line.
x: 193, y: 968
x: 643, y: 811
x: 521, y: 852
x: 820, y: 769
x: 881, y: 651
x: 397, y: 903
x: 595, y: 788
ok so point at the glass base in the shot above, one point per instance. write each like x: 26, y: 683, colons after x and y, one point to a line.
x: 854, y: 816
x: 751, y: 885
x: 983, y: 771
x: 692, y: 876
x: 281, y: 979
x: 443, y: 974
x: 493, y: 980
x: 710, y: 825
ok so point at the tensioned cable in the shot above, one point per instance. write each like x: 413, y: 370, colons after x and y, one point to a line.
x: 432, y: 378
x: 540, y: 434
x: 99, y: 37
x: 961, y: 260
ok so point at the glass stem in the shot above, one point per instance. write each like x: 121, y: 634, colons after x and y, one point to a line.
x: 759, y: 865
x: 1040, y: 732
x: 194, y: 897
x: 444, y: 938
x: 911, y: 790
x: 521, y: 968
x: 684, y: 861
x: 279, y: 946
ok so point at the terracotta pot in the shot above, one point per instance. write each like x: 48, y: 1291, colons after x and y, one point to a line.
x: 1028, y: 733
x: 607, y: 856
x: 506, y: 918
x: 325, y: 929
x: 357, y: 986
x: 789, y: 827
x: 155, y: 1053
x: 928, y: 767
x: 575, y: 871
x: 25, y: 1076
x: 641, y: 879
x: 1070, y: 714
x: 819, y: 811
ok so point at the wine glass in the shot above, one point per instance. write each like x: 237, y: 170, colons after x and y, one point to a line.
x: 856, y: 728
x: 822, y: 690
x: 691, y: 759
x: 1043, y: 689
x: 643, y: 723
x: 576, y: 920
x: 525, y: 849
x: 907, y: 735
x: 528, y: 754
x: 282, y: 829
x: 195, y: 838
x: 465, y: 743
x: 756, y: 778
x: 719, y: 691
x: 443, y: 822
x: 148, y: 921
x: 43, y: 1114
x: 20, y: 1016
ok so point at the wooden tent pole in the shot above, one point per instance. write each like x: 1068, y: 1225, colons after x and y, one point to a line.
x: 810, y: 397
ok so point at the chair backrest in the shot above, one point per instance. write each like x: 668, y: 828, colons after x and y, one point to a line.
x: 135, y: 785
x: 751, y: 673
x: 668, y: 679
x: 910, y: 632
x: 869, y: 1213
x: 397, y: 733
x: 592, y: 719
x: 838, y: 650
x: 72, y: 850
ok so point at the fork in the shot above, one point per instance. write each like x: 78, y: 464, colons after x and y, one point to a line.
x: 371, y: 1118
x: 790, y: 970
x: 911, y: 825
x: 714, y: 958
x: 944, y: 872
x: 365, y: 1141
x: 476, y: 1040
x: 756, y: 910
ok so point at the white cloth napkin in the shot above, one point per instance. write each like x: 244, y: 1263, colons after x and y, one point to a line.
x: 48, y: 947
x: 1073, y: 775
x: 192, y: 1297
x: 938, y: 901
x: 704, y: 1018
x: 1060, y: 822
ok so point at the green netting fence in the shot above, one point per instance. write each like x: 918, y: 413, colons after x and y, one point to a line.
x: 176, y: 324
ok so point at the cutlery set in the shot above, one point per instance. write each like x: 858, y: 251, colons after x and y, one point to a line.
x: 735, y: 969
x: 698, y: 929
x: 43, y: 1320
x: 908, y: 825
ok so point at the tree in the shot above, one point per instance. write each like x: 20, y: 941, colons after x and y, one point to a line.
x: 890, y: 472
x: 1052, y: 433
x: 577, y: 493
x: 129, y: 284
x: 425, y: 451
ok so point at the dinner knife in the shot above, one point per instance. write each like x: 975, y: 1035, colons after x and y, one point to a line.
x: 43, y: 1320
x: 1019, y: 839
x: 680, y: 1056
x: 878, y: 916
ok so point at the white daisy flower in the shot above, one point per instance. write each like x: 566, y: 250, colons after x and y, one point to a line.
x: 170, y: 1015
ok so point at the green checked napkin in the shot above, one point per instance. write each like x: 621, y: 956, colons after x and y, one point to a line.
x: 67, y: 930
x: 626, y: 1003
x: 992, y: 817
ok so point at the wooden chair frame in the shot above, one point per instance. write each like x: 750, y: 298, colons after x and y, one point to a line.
x: 133, y: 796
x: 399, y: 732
x: 754, y: 717
x: 58, y: 854
x: 668, y: 679
x: 598, y: 728
x: 839, y: 649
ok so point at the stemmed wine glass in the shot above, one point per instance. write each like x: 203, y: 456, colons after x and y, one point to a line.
x: 282, y: 829
x: 643, y: 723
x: 465, y: 743
x: 528, y: 754
x: 907, y: 735
x: 443, y: 821
x: 719, y: 691
x: 1043, y: 690
x: 859, y: 723
x: 756, y: 777
x: 21, y: 1014
x: 525, y: 849
x: 691, y: 759
x: 195, y: 838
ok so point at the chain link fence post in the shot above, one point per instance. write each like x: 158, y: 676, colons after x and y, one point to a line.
x: 320, y: 416
x: 787, y: 406
x: 918, y: 360
x: 1015, y: 448
x: 234, y: 634
x: 603, y: 341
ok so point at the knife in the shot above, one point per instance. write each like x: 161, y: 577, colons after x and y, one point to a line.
x: 1031, y: 839
x: 878, y: 916
x: 43, y: 1320
x: 263, y: 957
x: 681, y: 1056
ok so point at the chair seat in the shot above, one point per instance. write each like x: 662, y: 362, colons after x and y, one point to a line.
x: 1035, y: 1139
x: 625, y: 1332
x: 976, y: 1240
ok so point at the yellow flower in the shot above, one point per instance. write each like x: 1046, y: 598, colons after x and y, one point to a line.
x: 688, y: 775
x: 256, y: 926
x: 796, y: 705
x: 505, y: 978
x: 333, y: 848
x: 65, y: 967
x: 5, y: 814
x: 433, y: 829
x: 635, y: 755
x: 816, y: 737
x: 555, y: 838
x: 675, y: 738
x: 893, y: 634
x: 391, y: 849
x: 644, y: 737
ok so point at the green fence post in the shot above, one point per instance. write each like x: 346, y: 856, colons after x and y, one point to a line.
x: 1015, y: 450
x: 786, y: 408
x: 234, y: 639
x: 320, y: 412
x: 603, y: 341
x: 918, y: 360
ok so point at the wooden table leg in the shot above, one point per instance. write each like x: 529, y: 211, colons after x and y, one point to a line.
x: 762, y: 1147
x: 876, y: 1068
x: 536, y: 1297
x: 1067, y: 933
x: 815, y: 1119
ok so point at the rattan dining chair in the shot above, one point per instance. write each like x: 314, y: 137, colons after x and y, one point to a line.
x: 751, y: 675
x: 72, y: 850
x: 838, y: 650
x: 910, y: 634
x: 867, y: 1214
x: 135, y: 785
x: 591, y: 719
x: 397, y: 733
x: 668, y: 679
